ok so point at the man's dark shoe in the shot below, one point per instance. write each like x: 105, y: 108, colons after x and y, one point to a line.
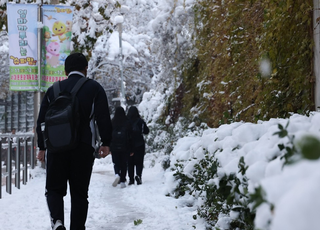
x: 131, y: 182
x: 61, y: 228
x: 138, y: 179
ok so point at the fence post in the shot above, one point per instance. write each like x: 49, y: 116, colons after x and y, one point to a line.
x: 25, y: 162
x: 17, y: 171
x: 32, y: 153
x: 9, y: 168
x: 22, y: 159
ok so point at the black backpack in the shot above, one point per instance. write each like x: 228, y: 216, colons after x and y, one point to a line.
x: 62, y: 119
x: 119, y: 138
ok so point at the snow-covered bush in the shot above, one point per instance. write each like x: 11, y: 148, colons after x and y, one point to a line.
x: 251, y: 176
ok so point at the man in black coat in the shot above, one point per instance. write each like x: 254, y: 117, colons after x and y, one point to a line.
x: 75, y: 166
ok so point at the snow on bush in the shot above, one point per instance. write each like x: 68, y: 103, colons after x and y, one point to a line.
x: 258, y: 170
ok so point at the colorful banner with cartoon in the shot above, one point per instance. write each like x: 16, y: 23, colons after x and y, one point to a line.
x: 23, y: 47
x: 56, y: 39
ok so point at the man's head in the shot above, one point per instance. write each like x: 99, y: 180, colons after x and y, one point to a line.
x: 76, y: 62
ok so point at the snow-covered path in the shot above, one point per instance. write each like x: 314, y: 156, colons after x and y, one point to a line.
x: 112, y: 211
x: 109, y: 208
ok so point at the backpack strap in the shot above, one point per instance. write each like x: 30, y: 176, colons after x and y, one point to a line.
x: 76, y: 88
x: 56, y: 89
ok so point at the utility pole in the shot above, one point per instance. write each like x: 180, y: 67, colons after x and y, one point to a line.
x: 37, y: 94
x: 123, y: 96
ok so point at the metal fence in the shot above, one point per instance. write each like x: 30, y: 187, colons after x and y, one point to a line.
x: 17, y: 155
x: 17, y: 112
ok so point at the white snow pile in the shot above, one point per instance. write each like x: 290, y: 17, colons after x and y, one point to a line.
x: 291, y: 191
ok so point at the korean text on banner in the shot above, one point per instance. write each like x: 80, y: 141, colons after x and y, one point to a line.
x: 23, y: 50
x: 56, y: 36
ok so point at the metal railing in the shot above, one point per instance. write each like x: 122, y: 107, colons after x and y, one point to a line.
x: 18, y: 151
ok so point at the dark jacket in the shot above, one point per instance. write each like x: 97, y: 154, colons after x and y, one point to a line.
x: 92, y: 97
x: 139, y: 128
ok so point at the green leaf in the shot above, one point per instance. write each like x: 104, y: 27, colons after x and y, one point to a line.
x: 309, y: 146
x: 137, y: 222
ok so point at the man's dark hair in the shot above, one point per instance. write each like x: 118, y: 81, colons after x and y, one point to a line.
x: 75, y: 62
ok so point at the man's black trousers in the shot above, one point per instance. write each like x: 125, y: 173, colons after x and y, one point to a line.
x: 74, y: 167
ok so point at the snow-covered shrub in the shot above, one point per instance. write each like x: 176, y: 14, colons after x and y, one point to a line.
x: 225, y: 197
x: 245, y: 175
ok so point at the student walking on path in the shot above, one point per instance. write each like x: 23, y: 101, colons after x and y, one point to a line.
x: 74, y: 165
x: 121, y: 145
x: 139, y: 127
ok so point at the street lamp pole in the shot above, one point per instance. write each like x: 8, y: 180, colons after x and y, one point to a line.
x: 122, y: 97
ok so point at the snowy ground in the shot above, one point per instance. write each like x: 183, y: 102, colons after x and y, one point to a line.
x: 291, y: 191
x: 109, y: 208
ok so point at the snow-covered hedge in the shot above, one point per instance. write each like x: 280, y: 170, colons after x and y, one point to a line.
x: 251, y: 176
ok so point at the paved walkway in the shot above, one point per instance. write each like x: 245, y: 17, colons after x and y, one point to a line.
x: 111, y: 199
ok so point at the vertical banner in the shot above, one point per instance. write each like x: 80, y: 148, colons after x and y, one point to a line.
x: 56, y: 39
x: 23, y: 50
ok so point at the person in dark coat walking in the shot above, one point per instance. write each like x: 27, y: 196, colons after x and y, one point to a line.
x: 139, y: 127
x: 121, y: 145
x: 75, y: 165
